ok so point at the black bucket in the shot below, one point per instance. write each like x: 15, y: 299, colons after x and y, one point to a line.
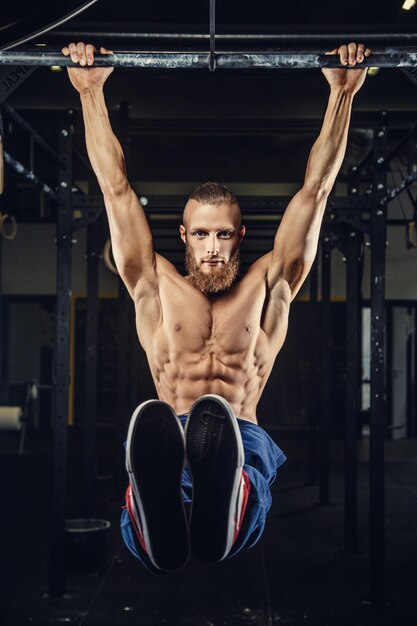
x: 86, y: 544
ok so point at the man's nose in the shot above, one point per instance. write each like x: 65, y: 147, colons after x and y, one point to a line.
x: 213, y: 246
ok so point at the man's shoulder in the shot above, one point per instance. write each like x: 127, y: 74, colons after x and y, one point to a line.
x: 163, y: 266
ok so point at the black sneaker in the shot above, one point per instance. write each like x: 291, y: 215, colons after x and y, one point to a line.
x: 154, y: 461
x: 215, y: 455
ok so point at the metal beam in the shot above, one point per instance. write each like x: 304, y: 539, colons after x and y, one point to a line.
x: 267, y: 204
x: 30, y: 176
x: 32, y: 132
x: 90, y: 413
x: 325, y: 370
x: 212, y: 65
x: 353, y: 345
x: 393, y: 193
x: 57, y: 561
x: 378, y: 417
x: 271, y: 59
x: 314, y: 399
x: 284, y: 38
x: 33, y: 24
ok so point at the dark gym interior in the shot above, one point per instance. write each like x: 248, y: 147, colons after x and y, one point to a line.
x: 340, y: 545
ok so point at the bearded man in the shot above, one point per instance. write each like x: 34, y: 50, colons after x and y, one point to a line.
x: 200, y: 466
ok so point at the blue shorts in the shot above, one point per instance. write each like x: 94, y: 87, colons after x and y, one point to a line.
x: 262, y: 460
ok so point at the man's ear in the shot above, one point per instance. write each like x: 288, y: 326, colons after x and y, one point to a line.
x: 183, y: 233
x: 242, y: 232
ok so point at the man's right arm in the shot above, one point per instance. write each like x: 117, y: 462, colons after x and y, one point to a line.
x: 130, y: 233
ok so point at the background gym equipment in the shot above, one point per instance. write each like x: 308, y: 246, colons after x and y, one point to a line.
x: 21, y: 24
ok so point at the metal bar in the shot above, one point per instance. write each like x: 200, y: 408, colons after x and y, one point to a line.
x: 35, y: 30
x: 123, y: 331
x: 385, y: 161
x: 30, y: 176
x: 285, y: 38
x: 2, y: 331
x: 325, y: 342
x: 355, y: 170
x: 302, y: 60
x: 314, y: 376
x: 378, y: 400
x: 123, y: 337
x: 212, y: 65
x: 353, y: 335
x: 90, y: 416
x: 32, y: 153
x: 411, y: 362
x: 271, y: 59
x: 266, y: 204
x: 393, y: 193
x: 39, y: 140
x: 413, y: 407
x: 394, y: 152
x: 57, y: 566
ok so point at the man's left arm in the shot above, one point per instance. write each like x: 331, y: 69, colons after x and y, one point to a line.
x: 296, y: 241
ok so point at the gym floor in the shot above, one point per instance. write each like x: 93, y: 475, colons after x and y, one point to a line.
x: 297, y: 574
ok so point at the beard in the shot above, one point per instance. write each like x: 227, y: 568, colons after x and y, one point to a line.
x: 219, y: 280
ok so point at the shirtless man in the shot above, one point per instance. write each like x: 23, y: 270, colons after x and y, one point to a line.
x: 211, y: 338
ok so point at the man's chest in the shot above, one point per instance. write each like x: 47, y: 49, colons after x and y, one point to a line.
x: 230, y: 323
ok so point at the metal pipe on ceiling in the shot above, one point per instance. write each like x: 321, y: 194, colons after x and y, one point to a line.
x: 284, y: 38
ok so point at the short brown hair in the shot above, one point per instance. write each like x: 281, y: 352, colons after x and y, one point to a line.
x: 213, y: 193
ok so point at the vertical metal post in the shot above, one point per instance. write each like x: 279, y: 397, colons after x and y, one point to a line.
x: 1, y: 272
x: 353, y: 343
x: 212, y: 62
x: 57, y: 569
x: 93, y: 257
x: 378, y: 400
x: 124, y: 299
x: 123, y: 334
x: 122, y: 384
x: 314, y: 383
x: 325, y: 342
x: 413, y: 432
x: 412, y: 374
x: 2, y: 355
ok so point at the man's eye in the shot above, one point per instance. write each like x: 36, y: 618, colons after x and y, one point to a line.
x: 226, y: 234
x: 199, y: 233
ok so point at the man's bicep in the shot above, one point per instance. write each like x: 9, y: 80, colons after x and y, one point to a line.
x: 296, y: 240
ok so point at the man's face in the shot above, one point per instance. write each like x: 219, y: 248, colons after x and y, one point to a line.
x: 212, y: 236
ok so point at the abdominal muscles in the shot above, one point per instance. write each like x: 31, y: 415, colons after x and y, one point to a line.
x: 238, y: 377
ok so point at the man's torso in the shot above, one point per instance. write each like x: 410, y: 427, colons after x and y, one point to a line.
x: 224, y: 345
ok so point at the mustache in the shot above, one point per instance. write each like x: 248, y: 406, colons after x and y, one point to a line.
x: 218, y: 281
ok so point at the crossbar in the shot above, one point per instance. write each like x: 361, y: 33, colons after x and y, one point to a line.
x: 271, y: 59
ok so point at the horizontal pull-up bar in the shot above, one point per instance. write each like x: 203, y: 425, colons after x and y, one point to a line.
x: 271, y: 59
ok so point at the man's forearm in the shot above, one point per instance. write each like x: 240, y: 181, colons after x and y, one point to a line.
x: 327, y: 153
x: 104, y: 150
